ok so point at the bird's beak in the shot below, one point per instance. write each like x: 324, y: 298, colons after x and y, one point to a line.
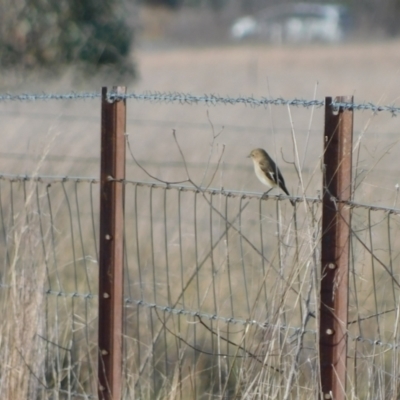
x: 248, y: 156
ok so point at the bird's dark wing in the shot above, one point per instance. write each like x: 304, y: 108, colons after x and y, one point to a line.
x: 270, y: 169
x: 281, y: 181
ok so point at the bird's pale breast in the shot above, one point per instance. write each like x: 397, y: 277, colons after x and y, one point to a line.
x: 262, y: 177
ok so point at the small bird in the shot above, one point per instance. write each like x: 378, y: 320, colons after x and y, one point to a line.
x: 267, y: 171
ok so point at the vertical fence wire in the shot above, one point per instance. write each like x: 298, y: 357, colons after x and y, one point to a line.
x: 197, y: 352
x: 199, y: 341
x: 220, y: 293
x: 59, y: 281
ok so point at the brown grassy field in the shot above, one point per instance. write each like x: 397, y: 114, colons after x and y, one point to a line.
x: 63, y: 138
x: 370, y: 72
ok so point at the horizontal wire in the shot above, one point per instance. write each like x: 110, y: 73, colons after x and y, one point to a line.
x: 189, y: 188
x: 187, y: 98
x: 212, y: 99
x: 73, y: 393
x: 215, y: 191
x: 296, y: 330
x: 375, y: 342
x: 263, y: 325
x: 214, y: 317
x: 49, y: 96
x: 176, y: 311
x: 60, y: 293
x: 47, y: 178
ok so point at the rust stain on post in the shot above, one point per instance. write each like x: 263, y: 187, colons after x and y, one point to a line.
x: 113, y: 125
x: 338, y: 140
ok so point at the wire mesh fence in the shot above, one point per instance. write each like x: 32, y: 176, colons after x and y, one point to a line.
x: 221, y: 291
x: 207, y: 271
x: 49, y: 284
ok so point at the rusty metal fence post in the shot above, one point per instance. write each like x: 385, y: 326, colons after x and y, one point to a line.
x: 337, y: 178
x: 113, y: 125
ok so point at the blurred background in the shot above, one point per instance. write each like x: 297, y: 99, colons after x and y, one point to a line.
x: 228, y: 47
x: 290, y: 49
x: 53, y: 35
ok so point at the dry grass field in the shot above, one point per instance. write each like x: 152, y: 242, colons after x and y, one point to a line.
x: 265, y: 269
x: 370, y: 72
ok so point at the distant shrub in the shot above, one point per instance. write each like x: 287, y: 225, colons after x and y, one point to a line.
x: 52, y: 33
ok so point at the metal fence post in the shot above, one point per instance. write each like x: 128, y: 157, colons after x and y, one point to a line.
x: 113, y: 125
x: 338, y: 141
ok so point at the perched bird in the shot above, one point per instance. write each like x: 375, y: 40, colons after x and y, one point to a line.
x: 267, y: 171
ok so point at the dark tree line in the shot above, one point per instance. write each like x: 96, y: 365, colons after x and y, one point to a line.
x: 53, y: 33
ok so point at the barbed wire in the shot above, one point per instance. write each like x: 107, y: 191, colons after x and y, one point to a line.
x: 212, y: 99
x: 263, y: 325
x: 366, y: 107
x: 172, y: 310
x: 227, y: 320
x: 73, y: 394
x: 215, y: 317
x: 49, y: 96
x: 375, y: 342
x: 190, y: 99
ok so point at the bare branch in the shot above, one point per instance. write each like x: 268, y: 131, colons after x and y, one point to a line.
x: 145, y: 170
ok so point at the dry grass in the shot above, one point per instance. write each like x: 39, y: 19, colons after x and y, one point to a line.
x: 371, y: 72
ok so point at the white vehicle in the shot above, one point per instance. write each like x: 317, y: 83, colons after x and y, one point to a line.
x: 295, y: 23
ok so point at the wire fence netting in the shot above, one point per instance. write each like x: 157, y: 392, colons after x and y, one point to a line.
x: 49, y: 281
x: 221, y: 287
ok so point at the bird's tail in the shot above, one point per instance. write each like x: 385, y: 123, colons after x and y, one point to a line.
x: 283, y: 187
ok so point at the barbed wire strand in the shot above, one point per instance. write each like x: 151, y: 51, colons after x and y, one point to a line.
x: 190, y: 99
x: 228, y: 320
